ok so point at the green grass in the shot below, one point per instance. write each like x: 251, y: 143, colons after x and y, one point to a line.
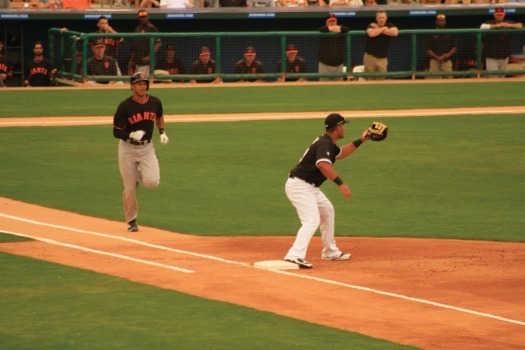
x: 445, y: 177
x: 269, y: 98
x: 6, y: 238
x: 48, y: 306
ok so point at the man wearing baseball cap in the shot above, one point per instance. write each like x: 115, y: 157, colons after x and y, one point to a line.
x: 332, y: 48
x: 302, y: 189
x: 100, y: 64
x: 204, y: 65
x: 440, y: 48
x: 249, y: 65
x: 294, y: 64
x: 497, y: 47
x: 139, y: 60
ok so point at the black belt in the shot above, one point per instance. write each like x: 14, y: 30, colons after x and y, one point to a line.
x: 296, y: 177
x: 137, y: 143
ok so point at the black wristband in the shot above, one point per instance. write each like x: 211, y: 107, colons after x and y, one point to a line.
x: 161, y: 130
x: 357, y: 143
x: 338, y: 181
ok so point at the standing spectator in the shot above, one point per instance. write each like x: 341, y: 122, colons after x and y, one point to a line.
x: 232, y: 3
x: 379, y: 34
x: 133, y: 124
x: 302, y: 189
x: 497, y: 47
x: 140, y: 50
x: 112, y: 44
x: 204, y: 65
x: 100, y: 64
x: 170, y: 63
x: 260, y: 3
x: 332, y: 48
x: 294, y: 64
x: 6, y: 69
x: 440, y: 48
x: 39, y: 71
x: 249, y: 65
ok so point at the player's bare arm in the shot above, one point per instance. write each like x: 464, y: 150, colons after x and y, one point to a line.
x: 348, y: 149
x: 329, y: 172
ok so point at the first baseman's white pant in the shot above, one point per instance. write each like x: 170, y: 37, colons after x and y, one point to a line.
x: 137, y: 163
x: 314, y: 210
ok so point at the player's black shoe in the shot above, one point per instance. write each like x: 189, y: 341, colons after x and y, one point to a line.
x: 132, y: 226
x: 303, y: 264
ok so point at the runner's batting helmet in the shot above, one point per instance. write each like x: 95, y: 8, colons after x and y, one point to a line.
x: 139, y: 76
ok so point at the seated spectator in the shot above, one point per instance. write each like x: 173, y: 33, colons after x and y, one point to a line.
x: 370, y: 3
x: 315, y: 3
x: 205, y: 3
x: 346, y: 3
x: 232, y: 3
x: 175, y: 4
x: 292, y: 3
x: 260, y: 3
x: 249, y: 65
x: 294, y: 64
x: 204, y: 65
x: 171, y: 64
x: 49, y: 4
x: 100, y: 64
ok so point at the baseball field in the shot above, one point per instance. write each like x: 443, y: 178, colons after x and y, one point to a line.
x: 435, y: 223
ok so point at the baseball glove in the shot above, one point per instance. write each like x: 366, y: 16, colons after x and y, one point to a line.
x: 377, y: 131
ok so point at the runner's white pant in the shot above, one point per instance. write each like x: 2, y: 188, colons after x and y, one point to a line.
x: 136, y: 164
x: 314, y: 210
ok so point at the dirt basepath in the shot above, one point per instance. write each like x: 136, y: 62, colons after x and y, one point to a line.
x: 435, y: 294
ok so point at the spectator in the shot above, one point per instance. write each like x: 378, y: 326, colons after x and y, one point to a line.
x: 112, y: 44
x: 249, y: 65
x: 332, y: 48
x: 370, y: 3
x: 205, y: 3
x: 170, y: 63
x: 204, y: 65
x: 39, y: 71
x: 49, y: 4
x: 175, y: 4
x: 6, y: 69
x: 440, y: 48
x: 5, y: 4
x: 260, y: 3
x: 140, y: 59
x: 100, y: 64
x: 379, y: 34
x: 294, y: 64
x: 346, y: 3
x: 232, y: 3
x: 315, y: 3
x: 497, y: 47
x: 292, y: 3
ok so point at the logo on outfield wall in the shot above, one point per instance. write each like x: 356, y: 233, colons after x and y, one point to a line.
x: 180, y: 16
x: 96, y: 16
x: 422, y: 13
x: 14, y: 16
x: 507, y: 10
x: 262, y: 15
x: 344, y: 14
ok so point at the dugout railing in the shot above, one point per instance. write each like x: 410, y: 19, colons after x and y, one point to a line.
x: 70, y: 50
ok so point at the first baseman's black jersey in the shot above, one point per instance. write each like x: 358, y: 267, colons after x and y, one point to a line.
x: 323, y: 149
x: 38, y: 73
x: 132, y: 115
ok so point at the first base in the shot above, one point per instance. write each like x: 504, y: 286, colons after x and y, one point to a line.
x: 276, y: 265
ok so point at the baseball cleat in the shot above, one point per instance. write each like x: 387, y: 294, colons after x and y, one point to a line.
x: 132, y: 226
x: 301, y: 262
x: 340, y: 257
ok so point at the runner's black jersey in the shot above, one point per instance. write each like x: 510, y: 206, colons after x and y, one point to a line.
x: 323, y: 149
x: 132, y: 115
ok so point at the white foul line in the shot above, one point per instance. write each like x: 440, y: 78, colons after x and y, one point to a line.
x: 318, y: 279
x: 96, y: 251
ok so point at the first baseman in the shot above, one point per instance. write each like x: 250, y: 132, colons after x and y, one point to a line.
x: 302, y: 189
x: 133, y: 124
